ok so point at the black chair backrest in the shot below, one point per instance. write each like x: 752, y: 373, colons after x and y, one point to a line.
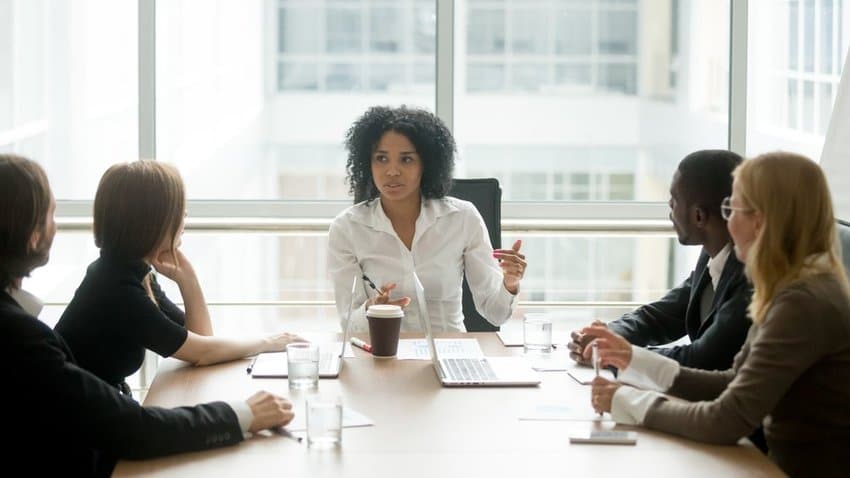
x: 486, y: 195
x: 843, y: 228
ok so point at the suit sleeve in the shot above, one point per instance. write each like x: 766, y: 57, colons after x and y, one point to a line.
x: 764, y: 377
x: 66, y: 399
x: 658, y: 323
x: 720, y: 341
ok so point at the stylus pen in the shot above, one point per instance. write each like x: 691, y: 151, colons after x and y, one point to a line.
x: 286, y: 433
x: 253, y: 362
x: 595, y: 349
x: 371, y: 284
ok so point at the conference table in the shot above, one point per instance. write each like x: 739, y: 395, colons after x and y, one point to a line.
x: 423, y: 429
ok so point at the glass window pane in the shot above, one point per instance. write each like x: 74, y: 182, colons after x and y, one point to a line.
x: 573, y: 32
x: 789, y: 101
x: 386, y: 76
x: 826, y: 36
x: 424, y: 27
x: 617, y: 32
x: 297, y: 29
x: 617, y: 78
x: 385, y: 30
x: 529, y: 28
x: 606, y: 134
x: 243, y: 121
x: 344, y: 30
x: 298, y: 75
x: 528, y: 77
x: 486, y: 31
x: 69, y: 88
x: 484, y: 77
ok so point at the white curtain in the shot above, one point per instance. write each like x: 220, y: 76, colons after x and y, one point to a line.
x: 835, y: 158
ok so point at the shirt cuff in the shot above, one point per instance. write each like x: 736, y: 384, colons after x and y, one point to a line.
x: 243, y: 414
x: 649, y: 370
x: 629, y: 406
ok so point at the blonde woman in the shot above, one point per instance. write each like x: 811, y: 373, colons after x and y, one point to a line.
x: 793, y: 372
x: 119, y: 310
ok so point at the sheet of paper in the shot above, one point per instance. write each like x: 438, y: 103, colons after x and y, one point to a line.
x: 417, y: 349
x: 585, y: 375
x: 562, y: 412
x: 350, y: 419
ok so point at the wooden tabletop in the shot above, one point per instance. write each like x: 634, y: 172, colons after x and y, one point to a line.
x: 423, y: 429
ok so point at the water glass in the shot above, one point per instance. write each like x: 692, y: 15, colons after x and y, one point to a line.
x: 324, y: 422
x: 303, y: 366
x: 537, y: 335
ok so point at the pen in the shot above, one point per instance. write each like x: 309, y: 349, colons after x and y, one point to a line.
x: 286, y: 433
x: 595, y: 349
x: 361, y: 344
x: 371, y: 284
x: 253, y: 362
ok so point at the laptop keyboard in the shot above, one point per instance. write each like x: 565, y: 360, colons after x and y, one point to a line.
x: 328, y: 361
x: 468, y: 369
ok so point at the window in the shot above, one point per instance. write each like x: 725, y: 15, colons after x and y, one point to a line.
x: 68, y: 87
x: 796, y: 54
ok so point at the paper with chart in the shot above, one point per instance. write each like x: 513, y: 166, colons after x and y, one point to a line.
x: 350, y: 419
x: 417, y: 349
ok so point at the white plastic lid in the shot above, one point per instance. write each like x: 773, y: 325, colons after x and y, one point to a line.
x: 384, y: 311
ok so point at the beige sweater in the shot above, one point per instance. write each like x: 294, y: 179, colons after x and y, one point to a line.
x: 793, y: 373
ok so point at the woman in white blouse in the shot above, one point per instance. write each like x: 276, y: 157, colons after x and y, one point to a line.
x: 793, y: 371
x: 400, y: 163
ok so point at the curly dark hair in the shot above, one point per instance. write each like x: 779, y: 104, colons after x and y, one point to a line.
x: 430, y: 136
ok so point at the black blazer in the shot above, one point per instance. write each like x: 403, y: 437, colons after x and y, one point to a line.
x: 714, y: 342
x: 61, y: 420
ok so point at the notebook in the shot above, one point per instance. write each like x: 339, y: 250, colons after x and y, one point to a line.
x: 473, y: 371
x: 274, y: 365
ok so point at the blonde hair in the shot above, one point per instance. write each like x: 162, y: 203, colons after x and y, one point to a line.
x: 791, y: 194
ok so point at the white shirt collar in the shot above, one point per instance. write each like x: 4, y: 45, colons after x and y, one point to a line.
x: 30, y: 303
x: 717, y: 263
x: 372, y: 214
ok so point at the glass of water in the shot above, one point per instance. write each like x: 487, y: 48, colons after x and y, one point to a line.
x: 537, y: 334
x: 303, y: 365
x: 324, y: 421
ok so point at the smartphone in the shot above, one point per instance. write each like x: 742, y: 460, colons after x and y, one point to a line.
x: 605, y: 437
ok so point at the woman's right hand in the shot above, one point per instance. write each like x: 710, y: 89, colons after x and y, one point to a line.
x: 269, y: 411
x: 613, y: 350
x: 175, y: 266
x: 383, y: 297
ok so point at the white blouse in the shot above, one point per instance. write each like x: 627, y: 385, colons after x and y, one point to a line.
x: 450, y: 238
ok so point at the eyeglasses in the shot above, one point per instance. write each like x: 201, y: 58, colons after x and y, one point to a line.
x: 726, y: 208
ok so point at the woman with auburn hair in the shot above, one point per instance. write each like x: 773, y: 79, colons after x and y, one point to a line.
x: 71, y: 422
x: 793, y: 372
x: 119, y: 309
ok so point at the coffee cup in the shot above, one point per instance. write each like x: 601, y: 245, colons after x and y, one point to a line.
x: 384, y: 327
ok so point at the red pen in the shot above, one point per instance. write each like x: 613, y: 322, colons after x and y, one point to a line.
x: 361, y: 344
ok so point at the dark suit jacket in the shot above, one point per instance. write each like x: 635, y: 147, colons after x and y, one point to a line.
x: 75, y: 423
x: 714, y: 342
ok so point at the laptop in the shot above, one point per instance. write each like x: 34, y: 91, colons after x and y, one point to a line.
x: 274, y: 365
x: 473, y: 372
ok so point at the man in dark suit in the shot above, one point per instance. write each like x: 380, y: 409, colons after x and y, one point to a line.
x: 710, y: 306
x: 61, y: 420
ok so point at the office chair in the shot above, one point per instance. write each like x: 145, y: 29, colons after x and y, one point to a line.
x: 486, y: 195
